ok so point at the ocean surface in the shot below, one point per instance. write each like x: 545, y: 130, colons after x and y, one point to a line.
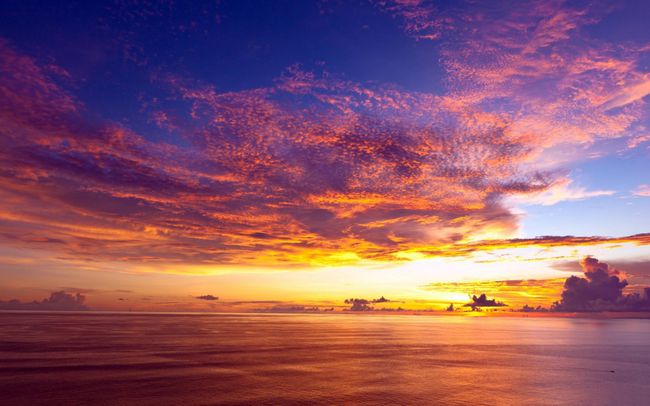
x: 257, y: 359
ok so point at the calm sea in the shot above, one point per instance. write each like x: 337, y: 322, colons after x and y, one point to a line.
x: 191, y: 359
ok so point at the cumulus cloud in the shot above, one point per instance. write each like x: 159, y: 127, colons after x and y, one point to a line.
x: 358, y: 304
x: 57, y: 301
x: 601, y: 285
x: 600, y: 289
x: 483, y: 301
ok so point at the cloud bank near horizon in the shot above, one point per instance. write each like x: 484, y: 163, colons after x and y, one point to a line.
x: 600, y: 289
x: 59, y: 300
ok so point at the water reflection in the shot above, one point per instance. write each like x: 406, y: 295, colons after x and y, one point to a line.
x: 328, y: 359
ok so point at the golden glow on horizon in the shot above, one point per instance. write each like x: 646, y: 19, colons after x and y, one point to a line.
x: 301, y: 185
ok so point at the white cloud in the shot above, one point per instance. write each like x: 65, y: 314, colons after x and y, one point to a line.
x: 560, y: 191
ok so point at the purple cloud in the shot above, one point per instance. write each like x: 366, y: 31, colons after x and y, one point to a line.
x: 600, y: 289
x: 57, y: 301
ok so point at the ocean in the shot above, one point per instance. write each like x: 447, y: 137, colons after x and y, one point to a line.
x: 93, y: 358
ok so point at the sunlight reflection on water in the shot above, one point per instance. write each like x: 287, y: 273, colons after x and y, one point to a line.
x: 99, y: 358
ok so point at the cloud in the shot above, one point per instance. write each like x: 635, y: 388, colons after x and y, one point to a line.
x: 542, y: 241
x: 290, y: 309
x: 483, y: 301
x: 535, y: 64
x: 600, y: 289
x: 530, y: 309
x: 207, y: 297
x: 642, y: 190
x: 298, y: 173
x: 637, y: 271
x: 629, y: 94
x: 559, y: 191
x: 421, y: 19
x: 637, y: 140
x: 315, y: 169
x: 57, y: 301
x: 364, y: 304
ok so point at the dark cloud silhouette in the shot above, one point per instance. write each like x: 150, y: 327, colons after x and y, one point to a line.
x: 483, y: 301
x: 57, y: 301
x: 207, y: 297
x: 358, y: 304
x: 290, y: 309
x: 531, y: 309
x: 600, y: 289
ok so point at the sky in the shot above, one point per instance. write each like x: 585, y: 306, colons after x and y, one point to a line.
x: 281, y: 155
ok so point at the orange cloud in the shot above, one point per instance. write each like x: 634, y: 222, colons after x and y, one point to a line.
x: 316, y: 169
x: 267, y: 179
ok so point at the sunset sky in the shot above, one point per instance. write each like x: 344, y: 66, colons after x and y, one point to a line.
x: 298, y: 153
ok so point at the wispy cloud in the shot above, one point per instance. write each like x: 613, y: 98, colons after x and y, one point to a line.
x: 534, y: 65
x: 559, y: 191
x: 642, y: 190
x: 629, y: 93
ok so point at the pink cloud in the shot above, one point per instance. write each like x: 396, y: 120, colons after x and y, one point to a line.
x: 268, y: 176
x: 533, y: 65
x: 314, y: 165
x: 642, y: 190
x: 629, y: 94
